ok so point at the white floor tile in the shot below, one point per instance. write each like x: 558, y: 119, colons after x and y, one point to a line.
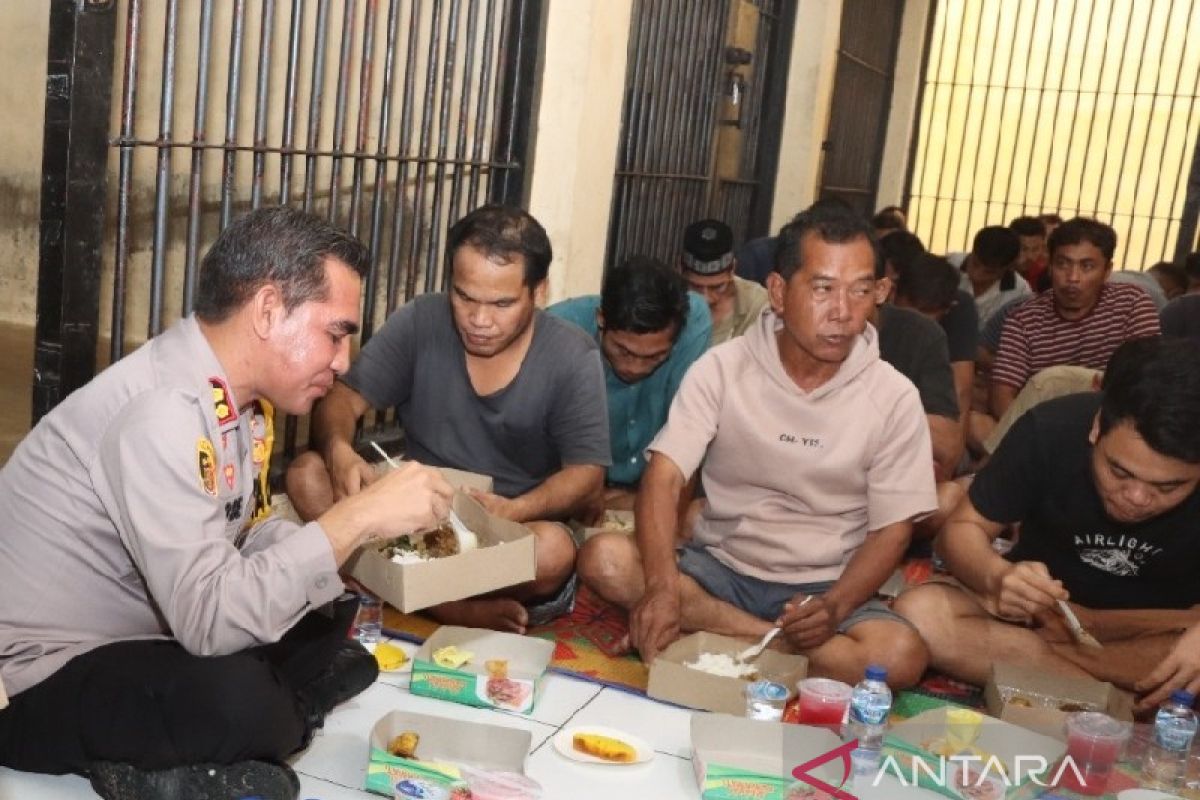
x: 663, y: 778
x: 666, y: 728
x: 316, y: 789
x: 561, y: 697
x: 31, y: 786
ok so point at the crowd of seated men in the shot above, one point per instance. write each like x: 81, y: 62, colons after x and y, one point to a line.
x: 788, y: 421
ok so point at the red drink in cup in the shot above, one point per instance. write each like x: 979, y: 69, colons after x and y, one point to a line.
x: 1094, y: 742
x: 823, y: 702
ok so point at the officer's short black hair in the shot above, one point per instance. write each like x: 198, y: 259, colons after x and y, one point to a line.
x: 1084, y: 229
x: 503, y: 232
x: 281, y: 245
x: 996, y: 247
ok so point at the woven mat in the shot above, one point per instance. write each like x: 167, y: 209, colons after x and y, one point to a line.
x: 585, y: 642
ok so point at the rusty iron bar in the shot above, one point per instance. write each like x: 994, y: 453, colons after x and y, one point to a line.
x: 339, y: 107
x: 199, y: 127
x: 315, y: 102
x: 423, y: 148
x: 292, y: 82
x: 399, y: 214
x: 261, y: 98
x: 439, y: 171
x: 162, y: 179
x: 232, y: 93
x: 381, y: 164
x: 365, y: 76
x: 116, y: 345
x: 483, y: 105
x: 464, y: 108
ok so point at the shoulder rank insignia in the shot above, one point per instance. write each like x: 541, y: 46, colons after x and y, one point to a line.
x: 206, y: 460
x: 225, y: 410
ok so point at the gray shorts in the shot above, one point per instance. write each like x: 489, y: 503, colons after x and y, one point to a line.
x: 544, y: 610
x: 765, y: 599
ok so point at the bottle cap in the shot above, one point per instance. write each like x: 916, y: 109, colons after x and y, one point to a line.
x: 875, y: 672
x: 1183, y: 697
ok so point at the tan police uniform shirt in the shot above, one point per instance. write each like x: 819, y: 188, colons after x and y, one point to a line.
x: 130, y: 511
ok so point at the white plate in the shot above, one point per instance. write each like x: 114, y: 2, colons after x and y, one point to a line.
x: 1146, y: 794
x: 563, y: 739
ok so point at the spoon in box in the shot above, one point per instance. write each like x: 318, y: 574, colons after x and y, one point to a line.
x: 753, y: 651
x: 465, y: 536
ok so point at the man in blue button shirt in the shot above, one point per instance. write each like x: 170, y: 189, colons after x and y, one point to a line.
x: 650, y: 329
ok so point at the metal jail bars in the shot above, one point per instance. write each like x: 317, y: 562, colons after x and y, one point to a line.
x: 390, y: 117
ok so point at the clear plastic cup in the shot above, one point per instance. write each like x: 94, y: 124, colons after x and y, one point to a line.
x: 823, y: 702
x: 1094, y: 741
x: 368, y: 623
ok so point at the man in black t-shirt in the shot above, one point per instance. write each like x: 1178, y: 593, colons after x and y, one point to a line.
x: 1104, y: 488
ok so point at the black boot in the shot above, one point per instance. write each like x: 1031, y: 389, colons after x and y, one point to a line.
x: 261, y: 779
x: 351, y: 671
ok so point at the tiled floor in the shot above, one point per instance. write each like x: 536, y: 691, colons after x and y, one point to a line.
x: 333, y: 768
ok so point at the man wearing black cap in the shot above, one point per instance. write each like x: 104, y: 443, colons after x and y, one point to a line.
x: 707, y: 264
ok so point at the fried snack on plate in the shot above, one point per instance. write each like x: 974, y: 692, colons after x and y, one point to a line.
x: 404, y: 745
x: 604, y: 747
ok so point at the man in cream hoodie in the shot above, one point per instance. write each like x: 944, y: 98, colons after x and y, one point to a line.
x: 815, y: 459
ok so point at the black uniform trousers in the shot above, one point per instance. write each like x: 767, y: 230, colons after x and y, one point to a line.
x: 152, y: 704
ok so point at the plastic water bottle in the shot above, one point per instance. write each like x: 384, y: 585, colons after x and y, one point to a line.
x: 1174, y: 729
x: 870, y: 705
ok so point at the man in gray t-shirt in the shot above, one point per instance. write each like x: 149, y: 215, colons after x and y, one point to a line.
x: 483, y: 381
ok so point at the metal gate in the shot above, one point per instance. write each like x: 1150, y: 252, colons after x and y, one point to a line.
x: 697, y: 138
x: 1072, y: 107
x: 862, y: 96
x: 389, y: 117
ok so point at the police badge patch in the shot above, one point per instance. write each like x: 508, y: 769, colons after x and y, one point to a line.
x: 206, y: 459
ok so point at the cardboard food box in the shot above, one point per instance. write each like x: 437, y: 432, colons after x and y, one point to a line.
x: 505, y: 557
x: 735, y: 757
x: 443, y: 747
x: 614, y: 521
x: 472, y: 683
x: 1007, y: 762
x: 1041, y: 701
x: 674, y: 682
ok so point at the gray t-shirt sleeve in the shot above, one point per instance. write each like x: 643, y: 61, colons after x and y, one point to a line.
x: 578, y: 421
x: 383, y: 371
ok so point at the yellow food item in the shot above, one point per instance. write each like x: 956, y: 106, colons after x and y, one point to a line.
x: 404, y: 745
x: 451, y: 657
x: 962, y: 728
x: 604, y: 747
x: 496, y: 668
x: 389, y: 657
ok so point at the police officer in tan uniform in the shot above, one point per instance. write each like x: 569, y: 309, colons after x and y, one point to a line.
x: 159, y: 631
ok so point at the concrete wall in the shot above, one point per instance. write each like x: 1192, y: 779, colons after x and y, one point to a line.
x: 806, y: 117
x: 23, y: 27
x: 578, y: 123
x: 902, y: 120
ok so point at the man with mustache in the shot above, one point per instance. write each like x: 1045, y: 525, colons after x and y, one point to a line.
x: 815, y: 456
x: 159, y: 631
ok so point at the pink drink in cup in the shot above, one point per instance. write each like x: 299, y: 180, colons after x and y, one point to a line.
x: 823, y: 702
x: 1094, y: 742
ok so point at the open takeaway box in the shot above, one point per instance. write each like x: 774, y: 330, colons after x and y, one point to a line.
x: 671, y: 680
x: 443, y: 748
x: 504, y: 670
x: 736, y: 758
x: 1041, y: 701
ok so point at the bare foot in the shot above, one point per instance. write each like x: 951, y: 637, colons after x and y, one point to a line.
x: 496, y: 613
